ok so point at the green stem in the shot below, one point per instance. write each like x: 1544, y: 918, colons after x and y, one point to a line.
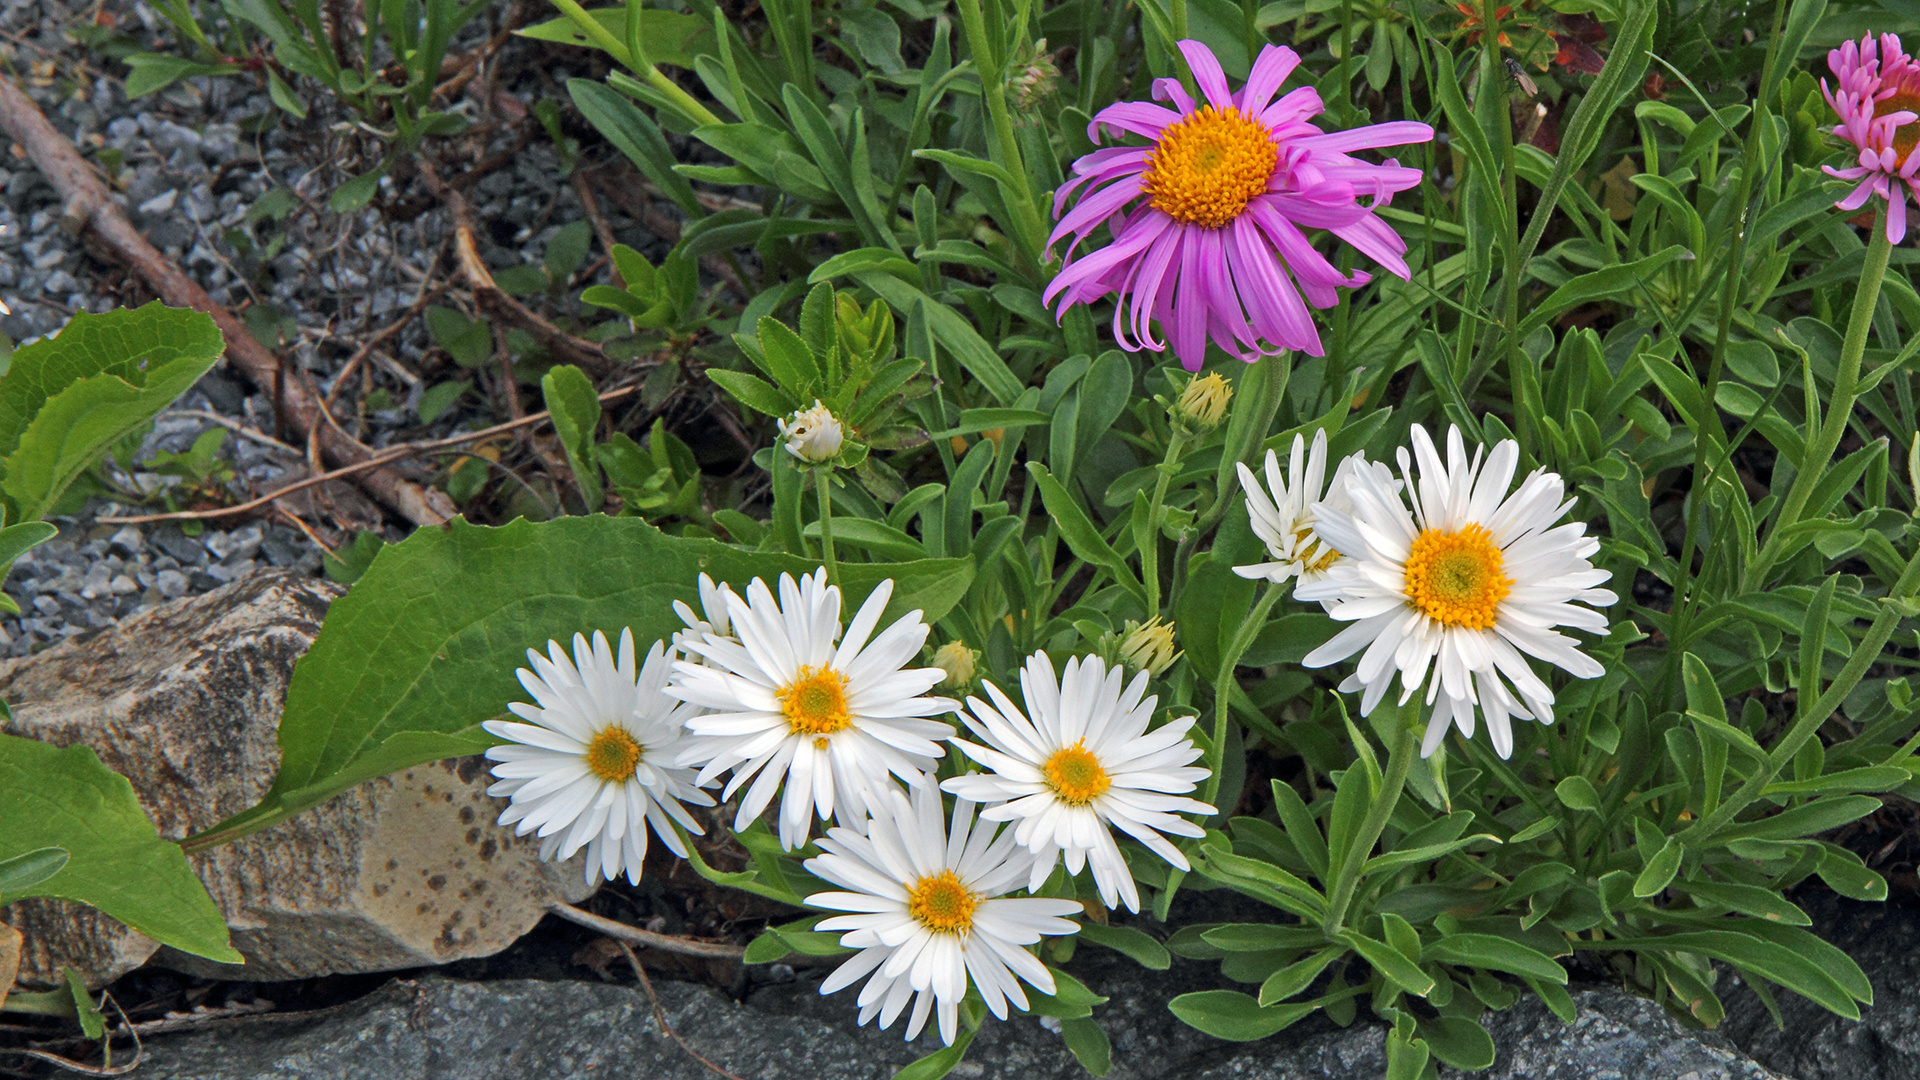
x: 616, y: 48
x: 1400, y: 756
x: 1846, y: 387
x: 1865, y: 655
x: 1223, y: 687
x: 1179, y: 20
x: 1150, y: 543
x: 1704, y: 468
x: 823, y: 483
x: 1029, y: 227
x: 1493, y: 83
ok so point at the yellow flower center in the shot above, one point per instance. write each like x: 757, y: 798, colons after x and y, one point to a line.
x: 1075, y: 775
x: 1207, y: 166
x: 1457, y: 578
x: 815, y: 703
x: 942, y: 903
x: 1314, y: 553
x: 613, y: 754
x: 1907, y: 135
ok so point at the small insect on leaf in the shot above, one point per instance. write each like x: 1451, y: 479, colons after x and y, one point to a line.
x: 1520, y: 76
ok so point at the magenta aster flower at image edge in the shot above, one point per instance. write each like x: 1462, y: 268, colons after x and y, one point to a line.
x: 1878, y: 102
x: 1216, y: 248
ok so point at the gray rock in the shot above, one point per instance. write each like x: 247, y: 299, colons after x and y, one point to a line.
x: 171, y: 583
x: 512, y: 1029
x: 1616, y: 1036
x: 1884, y: 1044
x: 184, y: 700
x: 170, y: 540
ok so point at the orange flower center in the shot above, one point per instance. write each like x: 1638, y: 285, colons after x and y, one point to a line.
x: 942, y: 903
x: 1907, y: 135
x: 815, y: 703
x: 613, y: 755
x: 1075, y: 775
x: 1457, y: 577
x: 1208, y: 166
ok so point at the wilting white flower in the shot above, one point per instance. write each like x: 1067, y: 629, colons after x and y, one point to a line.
x: 1464, y: 582
x: 711, y: 619
x: 594, y: 765
x: 929, y: 914
x: 1283, y: 520
x: 1148, y: 646
x: 833, y: 720
x: 813, y: 435
x: 1085, y: 762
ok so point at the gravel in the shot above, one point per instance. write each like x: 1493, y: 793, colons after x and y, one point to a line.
x: 195, y: 162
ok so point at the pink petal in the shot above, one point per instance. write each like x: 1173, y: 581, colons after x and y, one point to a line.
x: 1270, y: 298
x: 1190, y: 309
x: 1377, y: 240
x: 1371, y: 137
x: 1134, y: 118
x: 1207, y: 74
x: 1275, y: 63
x: 1171, y: 90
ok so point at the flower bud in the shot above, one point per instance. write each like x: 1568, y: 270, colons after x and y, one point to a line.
x: 1203, y: 404
x: 1148, y: 646
x: 1030, y: 80
x: 957, y: 661
x: 813, y: 435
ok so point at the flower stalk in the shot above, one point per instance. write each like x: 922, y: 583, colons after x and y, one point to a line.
x: 1347, y: 877
x: 1824, y: 438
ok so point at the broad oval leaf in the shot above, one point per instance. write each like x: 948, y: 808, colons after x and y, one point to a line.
x: 424, y: 648
x: 64, y: 798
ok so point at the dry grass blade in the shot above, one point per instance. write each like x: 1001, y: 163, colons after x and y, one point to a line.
x: 647, y: 938
x: 660, y: 1015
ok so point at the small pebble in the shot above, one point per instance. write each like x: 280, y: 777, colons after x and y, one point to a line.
x: 171, y: 583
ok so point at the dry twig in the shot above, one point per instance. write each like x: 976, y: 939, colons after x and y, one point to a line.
x: 660, y: 1015
x: 490, y: 295
x: 385, y: 458
x: 646, y: 938
x: 89, y: 208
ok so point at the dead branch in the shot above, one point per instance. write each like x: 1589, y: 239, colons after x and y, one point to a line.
x: 386, y: 457
x: 660, y: 1015
x: 646, y: 938
x: 490, y: 295
x: 90, y: 209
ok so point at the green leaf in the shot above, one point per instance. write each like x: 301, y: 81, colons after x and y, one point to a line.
x: 1137, y: 945
x: 952, y: 332
x: 576, y: 416
x: 1761, y: 957
x: 634, y: 134
x: 1577, y: 793
x: 1391, y: 963
x: 356, y: 193
x: 1752, y: 900
x: 17, y: 540
x: 1231, y: 1015
x: 1088, y: 1041
x: 672, y: 38
x: 1497, y: 954
x: 941, y: 1061
x: 1660, y: 869
x: 65, y: 400
x: 22, y: 872
x: 92, y: 1023
x: 424, y: 648
x: 440, y: 397
x: 1078, y: 530
x: 1604, y: 284
x: 1815, y: 817
x: 63, y: 797
x: 1298, y: 975
x: 1458, y: 1041
x: 148, y: 72
x: 468, y: 341
x: 754, y: 392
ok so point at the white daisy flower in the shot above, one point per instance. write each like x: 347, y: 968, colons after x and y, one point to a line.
x: 1283, y: 518
x: 929, y: 914
x: 833, y: 720
x: 710, y: 619
x: 1465, y: 582
x: 594, y: 766
x: 1084, y: 763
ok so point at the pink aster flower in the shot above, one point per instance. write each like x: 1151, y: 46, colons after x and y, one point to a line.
x: 1207, y: 221
x: 1878, y: 102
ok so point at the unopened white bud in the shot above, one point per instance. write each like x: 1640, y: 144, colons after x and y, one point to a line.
x: 813, y: 435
